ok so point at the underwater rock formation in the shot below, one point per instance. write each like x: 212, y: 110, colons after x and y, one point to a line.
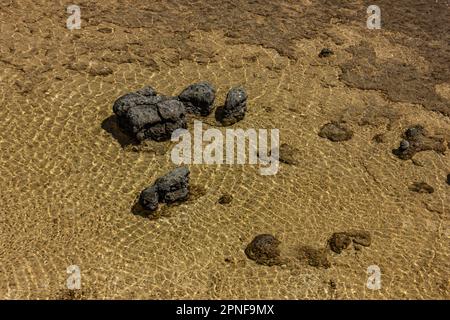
x: 417, y: 139
x: 264, y: 250
x: 335, y: 132
x: 172, y: 187
x: 225, y: 198
x: 235, y: 106
x: 340, y: 241
x: 198, y: 98
x: 448, y: 179
x: 325, y: 52
x: 145, y: 115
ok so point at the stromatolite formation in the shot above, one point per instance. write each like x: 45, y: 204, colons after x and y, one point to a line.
x: 198, y: 98
x: 172, y: 187
x: 235, y: 106
x: 264, y: 250
x: 335, y: 132
x: 145, y: 115
x: 417, y: 139
x: 342, y: 240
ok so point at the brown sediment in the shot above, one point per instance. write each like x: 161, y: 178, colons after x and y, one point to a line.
x: 69, y: 176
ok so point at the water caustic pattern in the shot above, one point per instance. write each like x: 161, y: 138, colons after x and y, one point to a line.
x: 69, y: 180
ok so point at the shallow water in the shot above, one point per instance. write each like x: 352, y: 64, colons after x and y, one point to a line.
x: 68, y: 184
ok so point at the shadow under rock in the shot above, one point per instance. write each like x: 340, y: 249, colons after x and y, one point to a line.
x: 111, y: 126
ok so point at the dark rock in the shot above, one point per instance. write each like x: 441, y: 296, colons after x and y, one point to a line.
x: 226, y: 198
x: 325, y: 52
x: 339, y: 241
x: 421, y: 187
x: 149, y: 198
x: 235, y: 106
x: 335, y: 132
x: 173, y: 187
x: 417, y: 139
x: 145, y: 115
x: 448, y: 179
x: 379, y: 138
x: 198, y: 98
x: 315, y: 257
x: 264, y: 250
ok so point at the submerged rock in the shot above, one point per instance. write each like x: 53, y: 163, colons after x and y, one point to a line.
x: 145, y: 115
x: 264, y: 250
x: 314, y: 257
x: 417, y: 139
x: 226, y: 198
x: 235, y: 106
x: 340, y: 241
x: 172, y: 187
x: 448, y: 179
x: 198, y: 98
x: 325, y: 52
x: 335, y: 132
x: 421, y: 187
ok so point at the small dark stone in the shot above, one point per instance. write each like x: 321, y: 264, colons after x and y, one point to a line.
x: 149, y: 198
x: 235, y: 106
x: 417, y: 139
x: 264, y: 250
x: 335, y: 132
x: 339, y: 241
x: 315, y: 257
x: 198, y: 98
x: 325, y: 52
x: 448, y: 179
x: 421, y: 187
x: 174, y: 186
x: 226, y: 198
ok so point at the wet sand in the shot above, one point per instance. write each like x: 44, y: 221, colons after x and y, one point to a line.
x: 69, y: 178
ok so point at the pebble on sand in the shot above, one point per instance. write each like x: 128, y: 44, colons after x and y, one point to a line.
x: 172, y: 187
x: 421, y: 187
x: 417, y: 139
x: 198, y: 98
x: 226, y: 198
x: 448, y: 179
x: 145, y: 115
x: 325, y: 52
x: 264, y: 250
x: 335, y: 132
x: 234, y: 108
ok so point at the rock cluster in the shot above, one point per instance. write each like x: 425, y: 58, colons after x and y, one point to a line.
x: 145, y: 115
x: 172, y: 187
x: 417, y: 139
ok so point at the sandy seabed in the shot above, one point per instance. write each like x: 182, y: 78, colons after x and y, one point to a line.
x: 69, y: 179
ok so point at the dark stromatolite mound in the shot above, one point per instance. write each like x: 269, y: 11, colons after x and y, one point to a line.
x: 145, y: 115
x: 325, y: 52
x: 314, y: 257
x: 173, y: 187
x: 264, y: 250
x: 342, y: 240
x: 235, y: 106
x: 417, y: 139
x: 421, y: 187
x: 335, y: 132
x: 198, y: 98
